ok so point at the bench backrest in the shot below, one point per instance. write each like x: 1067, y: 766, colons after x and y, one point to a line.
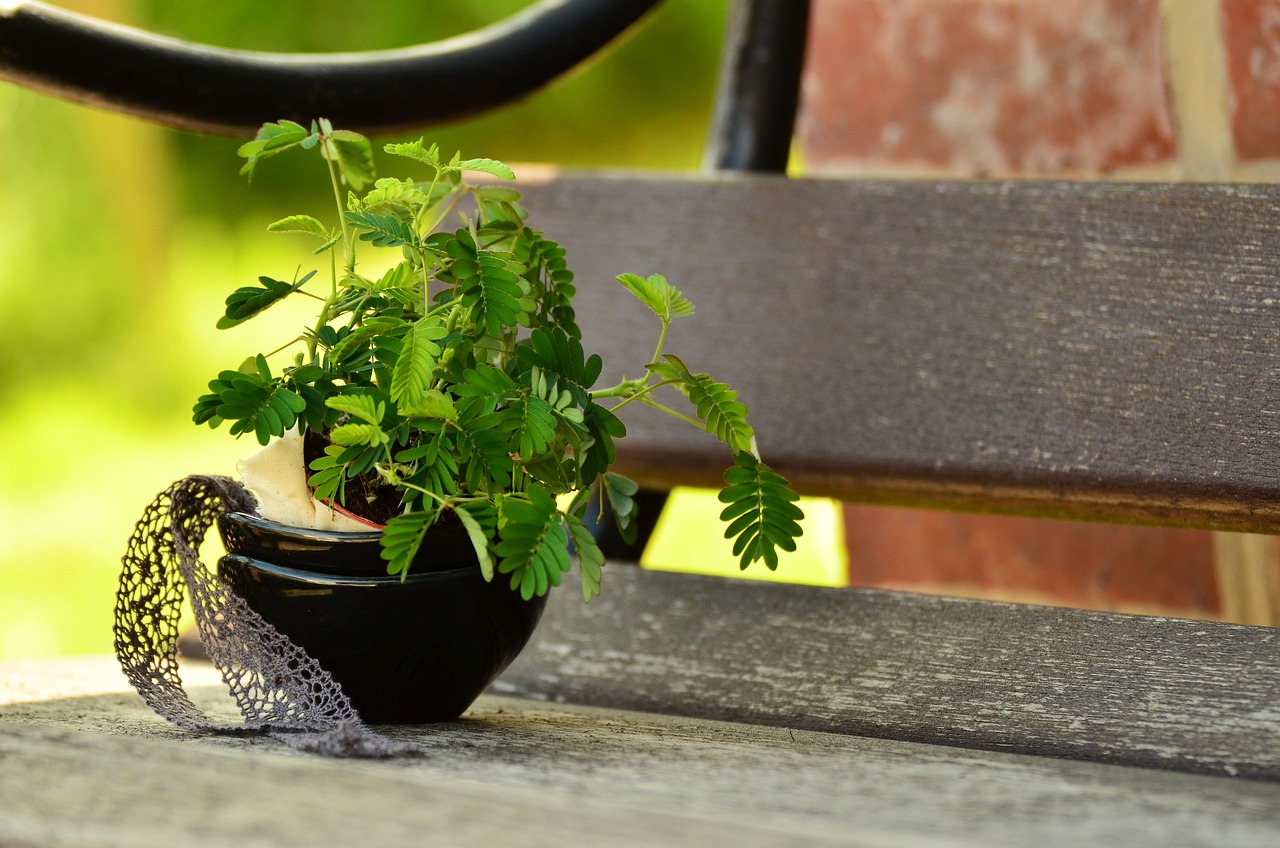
x: 1079, y: 350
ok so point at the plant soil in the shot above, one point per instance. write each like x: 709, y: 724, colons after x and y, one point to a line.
x: 367, y: 495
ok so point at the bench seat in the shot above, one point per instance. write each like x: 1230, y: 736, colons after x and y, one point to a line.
x: 83, y: 761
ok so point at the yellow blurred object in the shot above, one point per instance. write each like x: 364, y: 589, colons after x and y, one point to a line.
x: 689, y: 538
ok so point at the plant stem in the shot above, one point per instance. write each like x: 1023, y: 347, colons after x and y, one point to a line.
x: 617, y: 391
x: 680, y: 415
x: 662, y: 339
x: 342, y: 217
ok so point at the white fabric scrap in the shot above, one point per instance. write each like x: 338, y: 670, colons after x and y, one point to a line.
x: 277, y: 475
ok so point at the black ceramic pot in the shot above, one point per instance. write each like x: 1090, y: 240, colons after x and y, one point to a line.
x: 412, y: 651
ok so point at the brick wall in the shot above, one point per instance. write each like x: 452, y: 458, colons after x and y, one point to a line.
x: 1079, y: 89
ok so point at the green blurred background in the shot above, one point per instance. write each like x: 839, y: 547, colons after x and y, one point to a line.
x: 119, y: 240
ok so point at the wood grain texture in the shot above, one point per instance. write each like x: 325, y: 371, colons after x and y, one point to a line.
x: 104, y: 771
x: 1154, y: 692
x: 1095, y: 351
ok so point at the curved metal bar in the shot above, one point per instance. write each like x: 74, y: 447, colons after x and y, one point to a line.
x: 208, y: 89
x: 759, y: 87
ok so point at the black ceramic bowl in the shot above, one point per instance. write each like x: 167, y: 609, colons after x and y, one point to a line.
x: 416, y: 650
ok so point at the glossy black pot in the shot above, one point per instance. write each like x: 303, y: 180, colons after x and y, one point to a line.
x: 416, y: 650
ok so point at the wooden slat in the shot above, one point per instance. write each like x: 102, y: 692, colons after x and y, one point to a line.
x: 104, y: 771
x: 1155, y: 692
x: 1079, y: 350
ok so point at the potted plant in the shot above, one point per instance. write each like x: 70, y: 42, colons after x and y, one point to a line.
x: 447, y: 407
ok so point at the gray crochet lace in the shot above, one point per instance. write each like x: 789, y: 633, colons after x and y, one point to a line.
x: 281, y: 691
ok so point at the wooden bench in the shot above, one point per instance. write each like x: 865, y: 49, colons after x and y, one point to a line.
x: 1084, y: 351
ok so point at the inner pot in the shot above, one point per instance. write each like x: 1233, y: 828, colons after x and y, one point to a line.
x: 413, y: 650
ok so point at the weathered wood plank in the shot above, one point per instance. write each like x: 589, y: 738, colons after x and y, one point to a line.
x: 1154, y: 692
x: 104, y: 771
x: 1085, y: 350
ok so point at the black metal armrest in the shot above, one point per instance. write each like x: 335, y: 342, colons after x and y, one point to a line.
x: 208, y: 89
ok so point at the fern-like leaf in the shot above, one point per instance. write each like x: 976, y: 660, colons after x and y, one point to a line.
x: 492, y: 167
x: 603, y: 427
x: 382, y: 230
x: 484, y: 459
x: 619, y: 492
x: 481, y: 523
x: 412, y: 372
x: 416, y: 151
x: 299, y: 224
x: 360, y: 406
x: 761, y: 512
x: 555, y: 352
x: 530, y: 425
x: 533, y: 548
x: 248, y: 301
x: 361, y: 336
x: 437, y: 469
x: 546, y: 263
x: 716, y: 404
x: 354, y: 156
x: 655, y: 292
x: 266, y: 410
x: 590, y: 557
x: 392, y: 193
x: 433, y: 404
x: 364, y: 435
x: 402, y: 539
x: 482, y: 389
x: 273, y: 139
x: 491, y: 289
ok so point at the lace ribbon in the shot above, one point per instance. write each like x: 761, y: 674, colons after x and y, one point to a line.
x: 281, y: 691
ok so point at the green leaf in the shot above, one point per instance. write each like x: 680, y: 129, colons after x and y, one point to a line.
x: 554, y: 351
x: 530, y: 425
x: 483, y: 388
x: 354, y: 156
x: 760, y: 510
x: 479, y: 536
x: 414, y: 150
x: 368, y: 435
x: 603, y: 427
x: 389, y: 192
x: 431, y: 404
x: 272, y: 139
x: 251, y: 403
x: 412, y: 372
x: 497, y: 194
x: 402, y: 538
x: 331, y: 472
x: 248, y: 301
x: 491, y: 289
x: 533, y: 548
x: 590, y: 557
x: 548, y: 269
x: 382, y: 230
x: 619, y: 492
x: 334, y: 238
x: 363, y: 335
x: 437, y: 470
x: 657, y: 294
x: 484, y: 459
x: 299, y: 224
x: 487, y: 166
x: 363, y: 407
x: 716, y: 404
